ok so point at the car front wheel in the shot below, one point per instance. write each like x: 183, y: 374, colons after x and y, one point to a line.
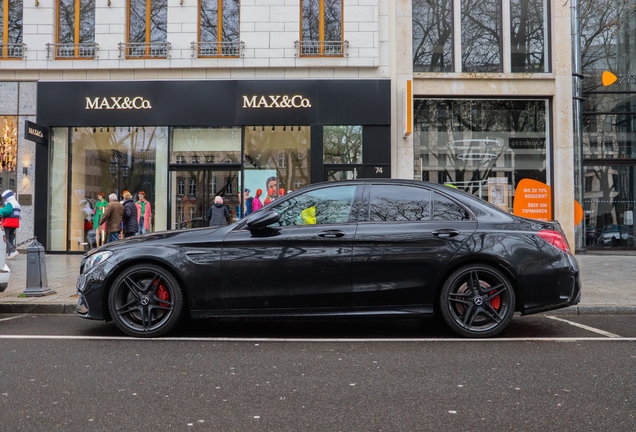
x: 477, y: 301
x: 145, y: 301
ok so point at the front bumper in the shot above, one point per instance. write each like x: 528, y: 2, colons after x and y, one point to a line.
x: 91, y: 290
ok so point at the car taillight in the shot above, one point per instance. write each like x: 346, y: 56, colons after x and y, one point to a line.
x: 556, y: 239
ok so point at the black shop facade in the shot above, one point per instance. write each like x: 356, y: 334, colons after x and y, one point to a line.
x: 182, y: 143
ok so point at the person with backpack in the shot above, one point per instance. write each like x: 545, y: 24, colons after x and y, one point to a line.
x: 10, y: 215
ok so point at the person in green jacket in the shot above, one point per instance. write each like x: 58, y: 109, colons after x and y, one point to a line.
x: 100, y: 205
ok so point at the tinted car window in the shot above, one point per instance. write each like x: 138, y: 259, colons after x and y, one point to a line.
x: 447, y: 210
x: 322, y: 206
x: 399, y: 203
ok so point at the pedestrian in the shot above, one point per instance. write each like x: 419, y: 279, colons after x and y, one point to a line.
x: 100, y: 205
x: 10, y: 221
x: 143, y: 213
x: 256, y: 202
x: 112, y: 217
x: 131, y: 225
x: 248, y: 204
x: 218, y: 213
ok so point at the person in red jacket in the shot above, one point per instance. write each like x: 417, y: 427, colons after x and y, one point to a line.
x: 10, y: 221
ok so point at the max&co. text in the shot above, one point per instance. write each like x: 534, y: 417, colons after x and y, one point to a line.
x: 120, y: 103
x: 296, y: 101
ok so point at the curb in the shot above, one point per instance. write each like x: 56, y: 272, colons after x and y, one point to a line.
x: 58, y: 308
x: 594, y: 310
x: 38, y: 308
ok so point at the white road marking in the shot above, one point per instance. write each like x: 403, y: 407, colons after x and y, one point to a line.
x: 315, y: 340
x: 10, y: 318
x: 583, y: 326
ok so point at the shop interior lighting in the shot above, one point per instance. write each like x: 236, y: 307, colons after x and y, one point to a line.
x: 101, y: 129
x: 75, y: 129
x: 94, y: 130
x: 292, y: 128
x: 273, y: 128
x: 107, y: 129
x: 263, y: 130
x: 136, y: 129
x: 254, y: 129
x: 284, y: 128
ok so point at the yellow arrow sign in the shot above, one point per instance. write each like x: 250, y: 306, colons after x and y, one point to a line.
x: 608, y: 78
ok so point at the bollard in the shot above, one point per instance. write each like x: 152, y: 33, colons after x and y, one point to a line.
x: 37, y: 280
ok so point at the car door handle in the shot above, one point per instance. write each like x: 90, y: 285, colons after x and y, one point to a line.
x: 446, y: 232
x: 331, y: 233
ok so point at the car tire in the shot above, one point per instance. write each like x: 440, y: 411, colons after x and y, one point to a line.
x: 477, y: 301
x: 145, y: 300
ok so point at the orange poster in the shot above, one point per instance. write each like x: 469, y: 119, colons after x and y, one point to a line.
x: 533, y: 200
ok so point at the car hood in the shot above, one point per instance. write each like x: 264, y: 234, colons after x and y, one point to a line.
x: 155, y: 238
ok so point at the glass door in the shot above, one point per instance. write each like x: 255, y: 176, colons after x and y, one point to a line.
x: 193, y: 193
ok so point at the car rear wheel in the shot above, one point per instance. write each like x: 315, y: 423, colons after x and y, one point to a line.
x: 145, y: 301
x: 477, y: 301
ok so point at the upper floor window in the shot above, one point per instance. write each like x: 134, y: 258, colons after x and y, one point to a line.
x: 321, y: 28
x: 11, y: 14
x: 528, y: 35
x: 147, y: 28
x: 432, y: 36
x: 75, y: 29
x: 219, y: 28
x: 479, y: 26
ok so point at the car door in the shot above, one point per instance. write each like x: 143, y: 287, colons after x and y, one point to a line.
x: 408, y: 236
x: 301, y: 262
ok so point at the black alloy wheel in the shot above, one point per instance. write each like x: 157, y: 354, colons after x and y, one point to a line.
x: 477, y: 301
x: 145, y: 301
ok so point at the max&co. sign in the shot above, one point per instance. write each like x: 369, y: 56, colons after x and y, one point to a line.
x: 296, y: 101
x: 119, y: 103
x: 35, y: 132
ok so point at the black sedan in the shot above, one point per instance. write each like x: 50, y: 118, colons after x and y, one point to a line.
x: 390, y: 247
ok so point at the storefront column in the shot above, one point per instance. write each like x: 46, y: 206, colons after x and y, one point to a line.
x: 563, y: 150
x: 26, y: 158
x: 403, y: 156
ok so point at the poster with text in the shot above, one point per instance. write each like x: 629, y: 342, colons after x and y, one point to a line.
x: 533, y: 200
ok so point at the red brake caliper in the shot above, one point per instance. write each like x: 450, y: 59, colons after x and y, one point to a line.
x: 163, y: 294
x: 495, y: 302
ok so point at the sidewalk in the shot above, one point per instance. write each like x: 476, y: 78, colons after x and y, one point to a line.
x: 609, y: 286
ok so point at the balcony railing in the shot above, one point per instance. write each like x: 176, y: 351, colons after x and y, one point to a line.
x: 322, y: 48
x: 133, y: 50
x: 12, y: 51
x: 72, y: 50
x: 217, y: 49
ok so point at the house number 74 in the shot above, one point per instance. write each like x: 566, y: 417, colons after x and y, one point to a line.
x: 378, y: 170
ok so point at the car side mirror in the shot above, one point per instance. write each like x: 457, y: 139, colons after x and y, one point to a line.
x: 263, y: 219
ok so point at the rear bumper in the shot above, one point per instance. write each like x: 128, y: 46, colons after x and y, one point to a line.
x: 550, y: 284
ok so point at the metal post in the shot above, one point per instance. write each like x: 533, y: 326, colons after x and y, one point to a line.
x: 37, y: 281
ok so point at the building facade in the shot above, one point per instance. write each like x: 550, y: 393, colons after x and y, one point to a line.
x: 188, y: 99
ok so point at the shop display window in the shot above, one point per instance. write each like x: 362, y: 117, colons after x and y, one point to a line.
x: 11, y: 19
x: 277, y: 160
x: 484, y: 147
x: 87, y: 161
x: 342, y: 144
x: 8, y: 152
x: 206, y: 145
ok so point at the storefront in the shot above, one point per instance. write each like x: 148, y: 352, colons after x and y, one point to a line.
x: 608, y: 125
x: 182, y: 143
x: 496, y: 149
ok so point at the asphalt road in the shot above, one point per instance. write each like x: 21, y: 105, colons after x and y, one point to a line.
x: 61, y: 373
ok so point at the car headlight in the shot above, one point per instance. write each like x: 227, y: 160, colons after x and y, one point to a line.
x: 96, y: 259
